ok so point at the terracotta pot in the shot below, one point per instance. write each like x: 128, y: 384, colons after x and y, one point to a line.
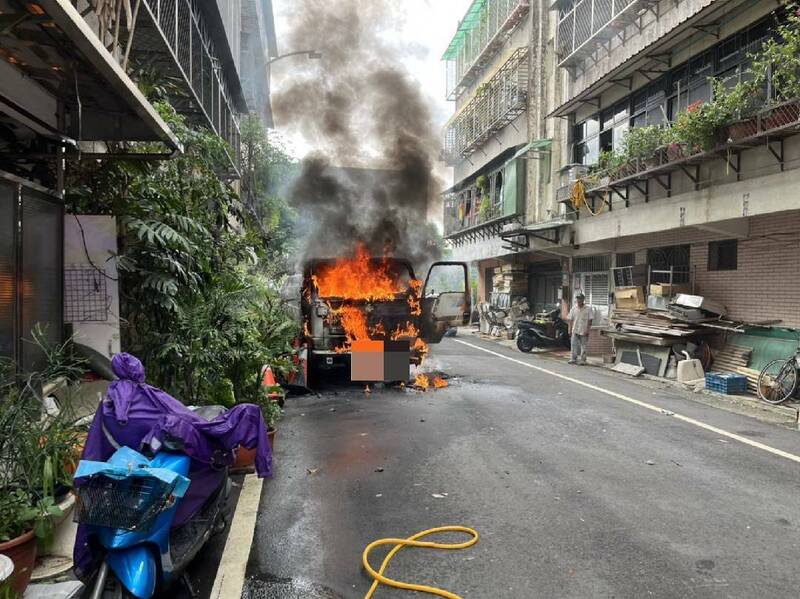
x: 22, y: 552
x: 245, y: 458
x: 271, y: 436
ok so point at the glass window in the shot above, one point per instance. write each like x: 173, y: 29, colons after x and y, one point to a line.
x: 723, y: 255
x: 579, y: 132
x: 608, y: 119
x: 700, y: 93
x: 619, y: 134
x: 587, y: 152
x: 592, y: 125
x: 621, y: 111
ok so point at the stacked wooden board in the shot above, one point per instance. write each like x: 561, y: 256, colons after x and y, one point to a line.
x: 511, y: 279
x: 652, y: 324
x: 735, y: 358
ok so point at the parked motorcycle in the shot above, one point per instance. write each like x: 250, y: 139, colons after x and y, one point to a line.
x: 128, y: 505
x: 152, y: 483
x: 549, y: 330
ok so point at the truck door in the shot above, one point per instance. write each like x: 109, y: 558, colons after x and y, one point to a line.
x: 446, y: 300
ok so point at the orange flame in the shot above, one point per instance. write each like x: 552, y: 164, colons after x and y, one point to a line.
x: 422, y: 381
x: 357, y: 278
x: 413, y: 298
x: 409, y: 331
x: 439, y: 382
x: 306, y: 330
x: 354, y: 323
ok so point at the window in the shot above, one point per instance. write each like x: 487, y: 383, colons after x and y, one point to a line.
x: 669, y: 262
x: 723, y: 255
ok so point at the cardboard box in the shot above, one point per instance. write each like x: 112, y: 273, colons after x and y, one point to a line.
x: 667, y: 290
x: 629, y: 298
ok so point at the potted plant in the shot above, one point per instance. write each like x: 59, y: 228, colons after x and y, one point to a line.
x: 272, y: 413
x: 23, y: 521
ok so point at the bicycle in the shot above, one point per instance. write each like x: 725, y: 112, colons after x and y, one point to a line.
x: 777, y: 381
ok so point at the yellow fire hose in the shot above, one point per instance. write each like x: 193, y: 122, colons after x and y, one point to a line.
x: 413, y: 541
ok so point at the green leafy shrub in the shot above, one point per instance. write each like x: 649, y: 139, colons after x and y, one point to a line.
x: 200, y: 264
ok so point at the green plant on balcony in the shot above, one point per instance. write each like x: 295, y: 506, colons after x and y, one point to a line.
x: 610, y: 162
x: 640, y: 143
x: 485, y: 210
x: 779, y: 58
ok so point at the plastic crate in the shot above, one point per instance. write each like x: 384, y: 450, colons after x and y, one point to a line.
x: 726, y: 382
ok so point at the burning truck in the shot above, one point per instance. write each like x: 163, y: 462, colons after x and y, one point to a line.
x: 344, y: 303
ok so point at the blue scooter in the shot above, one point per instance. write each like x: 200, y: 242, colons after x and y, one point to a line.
x: 128, y: 504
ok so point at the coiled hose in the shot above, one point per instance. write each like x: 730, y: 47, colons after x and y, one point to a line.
x: 413, y: 541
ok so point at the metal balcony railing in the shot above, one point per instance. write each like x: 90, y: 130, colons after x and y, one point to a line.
x: 767, y: 128
x: 584, y: 24
x: 485, y: 28
x: 172, y: 38
x: 496, y: 104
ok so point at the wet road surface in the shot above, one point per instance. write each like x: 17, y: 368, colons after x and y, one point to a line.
x: 575, y: 493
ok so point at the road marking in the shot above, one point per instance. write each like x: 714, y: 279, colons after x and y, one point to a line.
x: 229, y: 581
x: 643, y: 404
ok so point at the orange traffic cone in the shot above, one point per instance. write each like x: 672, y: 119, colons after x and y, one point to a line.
x: 268, y: 381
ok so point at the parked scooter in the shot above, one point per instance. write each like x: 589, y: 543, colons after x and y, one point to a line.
x: 129, y: 503
x: 152, y: 483
x: 550, y: 330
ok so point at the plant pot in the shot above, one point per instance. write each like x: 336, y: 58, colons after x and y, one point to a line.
x: 22, y: 552
x: 743, y: 129
x: 245, y: 458
x: 59, y: 523
x: 271, y: 432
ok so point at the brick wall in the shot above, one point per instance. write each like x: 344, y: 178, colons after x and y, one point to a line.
x: 766, y: 284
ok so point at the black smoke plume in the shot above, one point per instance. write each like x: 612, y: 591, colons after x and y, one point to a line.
x: 370, y: 178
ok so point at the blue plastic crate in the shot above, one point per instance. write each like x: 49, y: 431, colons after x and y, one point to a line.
x: 726, y: 382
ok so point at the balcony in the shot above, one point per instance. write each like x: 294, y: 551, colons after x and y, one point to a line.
x: 766, y: 128
x: 174, y: 39
x: 496, y: 104
x: 485, y: 28
x: 584, y: 25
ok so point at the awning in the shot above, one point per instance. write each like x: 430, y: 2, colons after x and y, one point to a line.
x: 547, y: 225
x: 55, y: 58
x: 539, y: 145
x: 468, y: 23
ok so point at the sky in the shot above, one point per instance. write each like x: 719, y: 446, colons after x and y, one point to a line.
x: 425, y: 31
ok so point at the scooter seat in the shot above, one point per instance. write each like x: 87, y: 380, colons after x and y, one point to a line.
x: 208, y: 412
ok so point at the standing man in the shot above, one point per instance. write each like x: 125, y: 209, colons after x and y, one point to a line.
x: 580, y: 323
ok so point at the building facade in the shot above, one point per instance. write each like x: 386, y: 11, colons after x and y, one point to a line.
x: 721, y: 216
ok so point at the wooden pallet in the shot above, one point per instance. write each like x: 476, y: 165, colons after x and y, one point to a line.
x: 736, y: 359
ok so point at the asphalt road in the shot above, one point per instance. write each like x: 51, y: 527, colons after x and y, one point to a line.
x: 575, y: 493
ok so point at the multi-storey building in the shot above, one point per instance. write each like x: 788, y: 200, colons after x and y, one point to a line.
x: 723, y: 218
x: 501, y: 146
x: 67, y: 89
